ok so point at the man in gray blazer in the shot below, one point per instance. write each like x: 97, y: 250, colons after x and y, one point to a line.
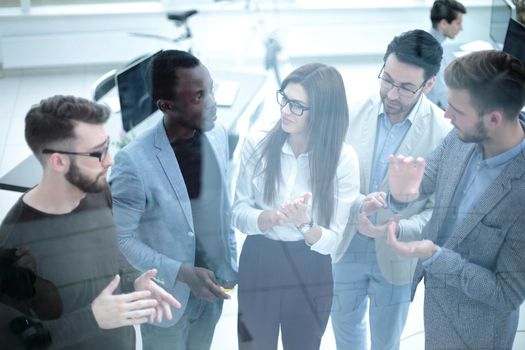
x: 171, y: 205
x: 473, y: 253
x: 398, y: 119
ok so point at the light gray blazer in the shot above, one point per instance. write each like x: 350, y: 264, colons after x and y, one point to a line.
x: 153, y: 214
x: 474, y: 289
x: 428, y: 130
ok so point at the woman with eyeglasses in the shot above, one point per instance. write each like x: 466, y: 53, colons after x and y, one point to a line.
x: 295, y: 188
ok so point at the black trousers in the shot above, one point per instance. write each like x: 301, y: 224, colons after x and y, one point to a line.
x: 282, y: 284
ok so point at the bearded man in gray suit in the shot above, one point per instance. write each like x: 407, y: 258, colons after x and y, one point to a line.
x: 473, y: 253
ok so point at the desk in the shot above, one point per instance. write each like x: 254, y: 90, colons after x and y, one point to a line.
x: 236, y: 117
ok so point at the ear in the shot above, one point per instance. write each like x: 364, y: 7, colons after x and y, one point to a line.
x: 495, y: 118
x: 442, y: 25
x: 58, y: 163
x: 429, y: 84
x: 165, y: 106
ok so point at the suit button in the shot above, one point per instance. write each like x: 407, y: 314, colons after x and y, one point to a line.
x: 191, y: 234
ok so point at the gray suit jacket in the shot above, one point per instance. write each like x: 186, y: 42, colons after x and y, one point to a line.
x: 474, y: 288
x: 153, y: 214
x: 428, y: 130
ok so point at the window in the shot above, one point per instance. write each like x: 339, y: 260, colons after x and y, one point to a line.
x: 16, y: 3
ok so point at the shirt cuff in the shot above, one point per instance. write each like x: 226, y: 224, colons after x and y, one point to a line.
x: 394, y: 205
x: 252, y: 222
x: 399, y: 233
x: 325, y: 244
x: 360, y: 207
x: 428, y: 261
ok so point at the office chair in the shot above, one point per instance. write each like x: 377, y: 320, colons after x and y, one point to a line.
x: 103, y: 84
x: 180, y: 19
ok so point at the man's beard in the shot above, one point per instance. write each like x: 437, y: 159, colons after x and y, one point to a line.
x: 396, y: 108
x: 479, y: 135
x: 82, y: 182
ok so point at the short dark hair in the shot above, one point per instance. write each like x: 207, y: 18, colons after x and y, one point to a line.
x: 495, y: 81
x: 419, y: 48
x: 447, y: 10
x: 164, y: 69
x: 54, y: 119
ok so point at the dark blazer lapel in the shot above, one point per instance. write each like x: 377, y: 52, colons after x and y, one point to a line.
x: 170, y: 167
x: 492, y: 196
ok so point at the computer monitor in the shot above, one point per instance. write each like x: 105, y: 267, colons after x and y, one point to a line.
x: 501, y: 13
x: 515, y: 40
x: 134, y: 90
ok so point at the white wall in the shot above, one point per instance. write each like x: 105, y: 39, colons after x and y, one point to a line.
x: 224, y: 32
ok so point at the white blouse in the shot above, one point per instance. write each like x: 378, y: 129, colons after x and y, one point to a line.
x: 249, y: 193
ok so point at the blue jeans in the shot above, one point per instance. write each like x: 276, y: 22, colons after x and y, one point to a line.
x: 359, y: 282
x: 194, y: 330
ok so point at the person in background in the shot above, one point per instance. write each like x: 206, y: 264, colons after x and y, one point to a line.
x: 295, y: 188
x: 447, y: 18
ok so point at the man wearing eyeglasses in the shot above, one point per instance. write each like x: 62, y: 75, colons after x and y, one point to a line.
x: 400, y: 119
x: 67, y: 224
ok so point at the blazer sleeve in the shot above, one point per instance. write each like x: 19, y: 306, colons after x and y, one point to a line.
x: 502, y: 287
x: 410, y: 228
x: 129, y: 203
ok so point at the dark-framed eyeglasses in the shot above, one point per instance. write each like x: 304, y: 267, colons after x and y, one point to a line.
x: 388, y: 84
x: 295, y: 107
x: 100, y: 154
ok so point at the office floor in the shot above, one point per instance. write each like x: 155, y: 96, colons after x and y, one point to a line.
x: 23, y: 88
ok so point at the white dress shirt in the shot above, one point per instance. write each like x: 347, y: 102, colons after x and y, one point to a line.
x: 249, y: 193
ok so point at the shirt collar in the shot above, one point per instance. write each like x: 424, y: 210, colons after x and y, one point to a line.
x: 437, y: 35
x: 503, y: 158
x: 287, y: 149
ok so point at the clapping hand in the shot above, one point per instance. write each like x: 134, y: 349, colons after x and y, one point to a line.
x: 405, y: 176
x: 270, y: 218
x: 295, y: 210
